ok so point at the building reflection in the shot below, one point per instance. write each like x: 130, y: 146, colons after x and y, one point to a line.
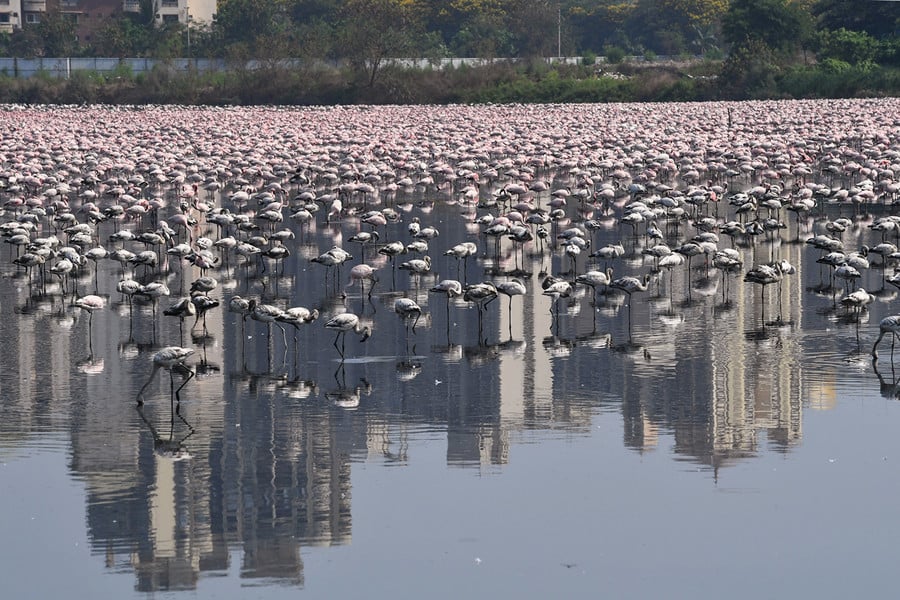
x: 717, y: 389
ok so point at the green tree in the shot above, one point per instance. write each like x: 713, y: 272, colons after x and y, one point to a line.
x: 57, y: 31
x: 878, y: 19
x: 252, y: 21
x: 371, y: 31
x: 128, y: 34
x: 750, y: 70
x: 779, y: 24
x: 25, y: 42
x: 306, y: 11
x: 533, y: 24
x: 483, y: 37
x: 597, y: 25
x: 471, y: 27
x: 853, y: 47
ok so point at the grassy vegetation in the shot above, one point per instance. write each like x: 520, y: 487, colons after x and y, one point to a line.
x: 743, y: 77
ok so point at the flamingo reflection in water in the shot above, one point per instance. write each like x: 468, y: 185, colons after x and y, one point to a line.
x: 347, y: 397
x: 170, y: 358
x: 169, y: 445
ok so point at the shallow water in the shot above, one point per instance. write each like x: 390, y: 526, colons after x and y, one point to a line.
x: 693, y: 442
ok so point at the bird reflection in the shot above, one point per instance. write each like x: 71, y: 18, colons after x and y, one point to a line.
x: 170, y: 444
x: 890, y: 388
x: 204, y: 367
x: 91, y: 366
x: 348, y: 397
x: 298, y: 389
x: 408, y: 369
x: 595, y: 339
x: 451, y: 352
x: 481, y: 354
x: 629, y: 347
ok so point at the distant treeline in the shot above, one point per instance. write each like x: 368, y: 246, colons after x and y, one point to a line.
x: 744, y: 76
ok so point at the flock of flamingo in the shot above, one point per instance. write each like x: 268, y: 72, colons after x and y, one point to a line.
x: 236, y: 192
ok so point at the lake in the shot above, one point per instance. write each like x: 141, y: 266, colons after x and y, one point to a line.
x: 704, y: 433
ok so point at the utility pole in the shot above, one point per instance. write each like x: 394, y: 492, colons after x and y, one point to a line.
x: 558, y: 30
x: 187, y: 23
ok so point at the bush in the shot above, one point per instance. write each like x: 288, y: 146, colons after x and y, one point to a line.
x: 614, y: 55
x: 851, y: 47
x: 834, y: 65
x: 837, y: 79
x: 82, y: 87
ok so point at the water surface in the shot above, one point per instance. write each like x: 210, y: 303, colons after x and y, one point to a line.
x: 692, y: 441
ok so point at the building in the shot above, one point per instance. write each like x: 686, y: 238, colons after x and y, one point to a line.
x: 10, y: 15
x: 179, y: 11
x: 90, y: 15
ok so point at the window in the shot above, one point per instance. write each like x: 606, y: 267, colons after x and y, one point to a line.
x: 4, y: 18
x: 32, y: 18
x: 170, y: 18
x: 169, y: 3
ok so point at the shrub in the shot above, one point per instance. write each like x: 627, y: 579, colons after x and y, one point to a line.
x: 835, y: 65
x: 614, y: 55
x: 849, y: 46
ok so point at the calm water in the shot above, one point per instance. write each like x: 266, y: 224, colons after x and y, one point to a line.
x: 701, y: 440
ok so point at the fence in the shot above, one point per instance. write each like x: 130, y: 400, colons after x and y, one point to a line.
x: 63, y: 67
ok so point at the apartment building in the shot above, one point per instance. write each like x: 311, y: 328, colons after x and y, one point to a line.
x: 10, y: 15
x: 89, y: 15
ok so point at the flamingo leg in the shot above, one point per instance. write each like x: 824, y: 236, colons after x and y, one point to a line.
x: 186, y: 371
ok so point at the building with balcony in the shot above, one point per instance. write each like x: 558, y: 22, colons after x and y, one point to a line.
x: 10, y: 15
x: 179, y: 11
x: 90, y: 15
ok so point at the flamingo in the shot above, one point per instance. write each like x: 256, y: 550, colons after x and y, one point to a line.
x: 204, y: 285
x: 202, y: 303
x: 462, y: 251
x: 481, y: 294
x: 407, y: 308
x: 630, y: 285
x: 297, y: 316
x: 450, y: 288
x: 90, y: 303
x: 887, y: 325
x: 595, y: 279
x: 268, y: 314
x: 857, y: 301
x: 511, y: 288
x: 361, y: 273
x: 183, y: 309
x: 764, y: 275
x: 343, y: 323
x: 170, y: 358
